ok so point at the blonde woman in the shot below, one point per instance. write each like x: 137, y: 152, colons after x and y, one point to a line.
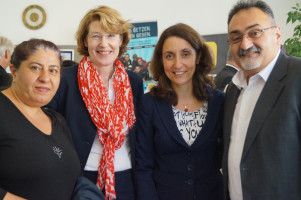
x: 99, y: 98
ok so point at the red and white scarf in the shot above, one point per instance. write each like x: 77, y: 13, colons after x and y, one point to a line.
x: 111, y: 119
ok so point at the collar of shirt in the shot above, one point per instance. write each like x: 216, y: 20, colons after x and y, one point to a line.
x: 240, y: 80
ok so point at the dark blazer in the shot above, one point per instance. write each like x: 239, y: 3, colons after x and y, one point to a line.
x: 69, y: 102
x: 5, y: 79
x: 166, y: 167
x: 271, y: 160
x: 224, y: 77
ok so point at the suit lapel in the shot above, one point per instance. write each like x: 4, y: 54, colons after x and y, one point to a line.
x: 266, y: 101
x: 167, y: 119
x: 210, y: 122
x: 229, y: 108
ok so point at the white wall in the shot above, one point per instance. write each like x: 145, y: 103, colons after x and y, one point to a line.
x: 63, y: 16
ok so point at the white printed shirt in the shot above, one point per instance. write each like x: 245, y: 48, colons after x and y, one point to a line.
x: 190, y: 124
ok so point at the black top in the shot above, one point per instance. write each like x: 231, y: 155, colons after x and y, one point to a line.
x: 35, y: 165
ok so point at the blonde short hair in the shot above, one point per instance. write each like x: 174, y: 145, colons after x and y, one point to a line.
x: 111, y: 22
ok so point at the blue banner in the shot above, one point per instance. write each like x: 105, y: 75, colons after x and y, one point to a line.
x: 144, y: 37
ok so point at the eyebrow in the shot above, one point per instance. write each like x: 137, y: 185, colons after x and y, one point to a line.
x: 42, y: 65
x: 248, y: 28
x: 187, y: 49
x: 36, y: 63
x: 184, y: 49
x: 165, y: 52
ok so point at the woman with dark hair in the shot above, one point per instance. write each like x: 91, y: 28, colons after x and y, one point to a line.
x: 38, y: 160
x: 98, y: 98
x: 180, y: 122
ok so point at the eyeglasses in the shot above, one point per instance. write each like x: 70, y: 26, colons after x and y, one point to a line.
x: 253, y: 34
x: 98, y: 37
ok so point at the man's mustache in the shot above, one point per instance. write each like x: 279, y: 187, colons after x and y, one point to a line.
x: 253, y: 49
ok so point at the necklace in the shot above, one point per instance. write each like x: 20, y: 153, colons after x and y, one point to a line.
x: 185, y: 109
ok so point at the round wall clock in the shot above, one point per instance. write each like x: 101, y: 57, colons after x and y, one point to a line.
x: 34, y: 17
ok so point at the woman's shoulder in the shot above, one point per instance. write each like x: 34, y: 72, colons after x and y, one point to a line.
x: 133, y: 76
x: 68, y: 72
x: 7, y: 110
x: 150, y: 102
x: 215, y: 92
x: 3, y: 98
x: 217, y: 97
x: 148, y: 97
x: 6, y: 104
x: 54, y: 114
x: 147, y: 101
x: 56, y: 118
x: 68, y: 79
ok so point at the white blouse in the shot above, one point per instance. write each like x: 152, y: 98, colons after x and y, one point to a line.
x: 122, y: 156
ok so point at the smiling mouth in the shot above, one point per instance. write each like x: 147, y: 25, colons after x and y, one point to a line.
x: 104, y: 52
x: 179, y: 73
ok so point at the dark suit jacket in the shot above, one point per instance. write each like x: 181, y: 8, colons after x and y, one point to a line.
x: 224, y: 77
x: 271, y: 160
x: 69, y: 102
x: 166, y: 167
x: 5, y: 79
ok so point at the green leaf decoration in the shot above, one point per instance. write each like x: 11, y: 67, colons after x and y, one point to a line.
x: 293, y: 44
